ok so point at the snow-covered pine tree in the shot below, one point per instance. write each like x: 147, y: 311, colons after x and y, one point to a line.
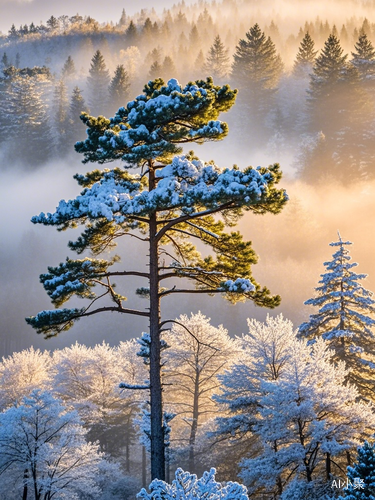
x: 256, y: 71
x: 364, y: 58
x: 217, y: 61
x: 361, y: 476
x: 97, y: 84
x: 345, y: 318
x: 119, y: 88
x: 174, y: 198
x: 305, y: 56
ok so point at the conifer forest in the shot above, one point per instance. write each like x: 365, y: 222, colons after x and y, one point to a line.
x: 200, y: 322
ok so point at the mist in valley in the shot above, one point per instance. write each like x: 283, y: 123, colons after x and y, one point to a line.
x: 332, y: 196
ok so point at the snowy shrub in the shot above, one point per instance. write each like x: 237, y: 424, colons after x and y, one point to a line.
x: 187, y: 486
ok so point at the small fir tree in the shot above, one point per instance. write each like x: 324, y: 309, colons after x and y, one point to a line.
x: 97, y: 84
x: 155, y: 70
x: 361, y: 476
x: 344, y: 318
x: 168, y: 68
x: 217, y: 61
x: 305, y: 56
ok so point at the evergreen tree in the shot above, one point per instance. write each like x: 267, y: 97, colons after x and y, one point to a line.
x: 52, y: 23
x: 97, y: 84
x: 26, y: 114
x: 155, y: 70
x: 343, y: 318
x: 131, y: 34
x: 61, y: 117
x: 178, y: 197
x: 364, y: 57
x: 5, y: 61
x: 76, y: 128
x: 256, y: 71
x: 13, y: 33
x: 337, y: 102
x: 361, y: 476
x: 122, y: 21
x: 305, y: 56
x: 119, y: 88
x: 217, y: 61
x: 68, y: 68
x: 18, y: 60
x: 168, y: 68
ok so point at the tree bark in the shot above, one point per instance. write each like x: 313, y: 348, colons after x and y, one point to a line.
x: 25, y: 478
x: 156, y: 400
x: 144, y: 464
x: 328, y: 466
x: 194, y: 425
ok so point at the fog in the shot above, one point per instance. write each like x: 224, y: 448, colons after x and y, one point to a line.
x: 292, y: 246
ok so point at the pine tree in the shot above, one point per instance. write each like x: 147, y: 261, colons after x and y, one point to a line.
x: 217, y: 60
x: 179, y: 196
x: 361, y: 476
x: 68, y: 68
x: 97, y: 84
x: 256, y: 71
x: 18, y: 60
x: 364, y: 57
x: 305, y: 56
x: 343, y: 318
x: 119, y: 88
x: 52, y: 23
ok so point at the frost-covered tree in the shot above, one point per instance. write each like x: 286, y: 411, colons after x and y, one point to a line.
x: 23, y: 372
x: 97, y: 84
x: 305, y: 56
x: 364, y: 57
x: 361, y: 476
x: 187, y: 486
x: 176, y: 197
x: 43, y: 450
x: 88, y: 379
x: 217, y: 60
x: 198, y: 353
x: 294, y: 400
x: 119, y: 88
x: 345, y: 318
x: 256, y: 71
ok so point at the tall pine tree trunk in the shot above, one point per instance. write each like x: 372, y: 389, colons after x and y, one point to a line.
x: 157, y: 434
